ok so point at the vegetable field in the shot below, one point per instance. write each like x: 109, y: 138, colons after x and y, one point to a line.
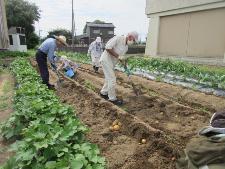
x: 195, y: 77
x: 50, y: 135
x: 74, y: 128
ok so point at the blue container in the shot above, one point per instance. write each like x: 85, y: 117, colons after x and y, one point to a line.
x: 70, y: 73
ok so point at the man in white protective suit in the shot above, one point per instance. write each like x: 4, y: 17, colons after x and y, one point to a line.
x: 114, y: 50
x: 95, y: 50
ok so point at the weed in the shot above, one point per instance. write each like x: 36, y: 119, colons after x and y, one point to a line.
x: 89, y: 85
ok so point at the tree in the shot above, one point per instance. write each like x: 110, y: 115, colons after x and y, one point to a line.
x: 98, y: 21
x: 21, y: 13
x: 33, y: 39
x: 60, y: 31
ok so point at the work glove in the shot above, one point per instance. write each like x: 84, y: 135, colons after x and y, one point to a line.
x: 123, y: 57
x: 54, y: 67
x: 56, y: 58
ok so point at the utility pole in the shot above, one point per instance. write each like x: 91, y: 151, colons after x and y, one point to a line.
x: 39, y: 33
x: 72, y: 25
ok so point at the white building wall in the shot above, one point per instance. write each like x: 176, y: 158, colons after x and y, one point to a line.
x: 16, y: 44
x: 156, y: 9
x: 156, y: 6
x: 152, y: 37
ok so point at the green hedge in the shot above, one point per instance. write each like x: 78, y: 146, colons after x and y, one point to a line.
x: 7, y: 54
x: 52, y: 137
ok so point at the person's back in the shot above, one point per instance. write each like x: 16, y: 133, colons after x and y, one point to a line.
x: 118, y: 43
x: 207, y: 151
x: 47, y: 50
x: 115, y: 48
x: 95, y: 51
x: 47, y: 45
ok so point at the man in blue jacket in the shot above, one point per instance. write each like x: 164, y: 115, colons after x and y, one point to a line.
x: 46, y: 51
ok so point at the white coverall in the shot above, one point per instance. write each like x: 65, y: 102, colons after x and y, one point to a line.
x: 118, y: 44
x: 95, y: 50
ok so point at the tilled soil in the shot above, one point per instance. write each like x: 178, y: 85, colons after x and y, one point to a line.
x: 122, y: 148
x: 167, y: 123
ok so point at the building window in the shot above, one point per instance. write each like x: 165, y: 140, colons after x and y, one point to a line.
x: 10, y: 40
x: 22, y: 40
x: 96, y: 31
x: 110, y: 32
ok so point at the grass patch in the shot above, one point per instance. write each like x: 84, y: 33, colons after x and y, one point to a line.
x: 152, y: 93
x: 124, y: 108
x: 89, y: 85
x: 1, y: 70
x: 7, y: 87
x: 78, y: 57
x: 3, y: 98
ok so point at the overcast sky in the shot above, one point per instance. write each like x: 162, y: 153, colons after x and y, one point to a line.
x: 126, y: 15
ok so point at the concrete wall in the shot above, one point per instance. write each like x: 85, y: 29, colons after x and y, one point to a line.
x: 152, y: 37
x: 4, y: 39
x: 198, y: 34
x: 157, y: 6
x: 186, y: 28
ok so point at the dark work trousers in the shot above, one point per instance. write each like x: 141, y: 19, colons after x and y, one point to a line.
x: 43, y: 67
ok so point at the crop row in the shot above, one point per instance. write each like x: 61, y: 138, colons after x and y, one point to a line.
x: 49, y: 133
x: 212, y: 78
x: 183, y: 69
x: 5, y: 54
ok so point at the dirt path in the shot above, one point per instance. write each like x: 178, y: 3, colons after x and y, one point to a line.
x: 6, y: 95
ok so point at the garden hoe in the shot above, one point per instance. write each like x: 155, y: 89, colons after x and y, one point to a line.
x: 136, y: 90
x: 59, y: 81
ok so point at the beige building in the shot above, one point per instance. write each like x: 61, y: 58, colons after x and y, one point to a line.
x: 186, y: 28
x: 4, y: 39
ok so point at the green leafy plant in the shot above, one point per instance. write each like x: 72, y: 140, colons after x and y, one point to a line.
x: 7, y: 54
x: 79, y: 57
x: 52, y: 137
x: 186, y: 70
